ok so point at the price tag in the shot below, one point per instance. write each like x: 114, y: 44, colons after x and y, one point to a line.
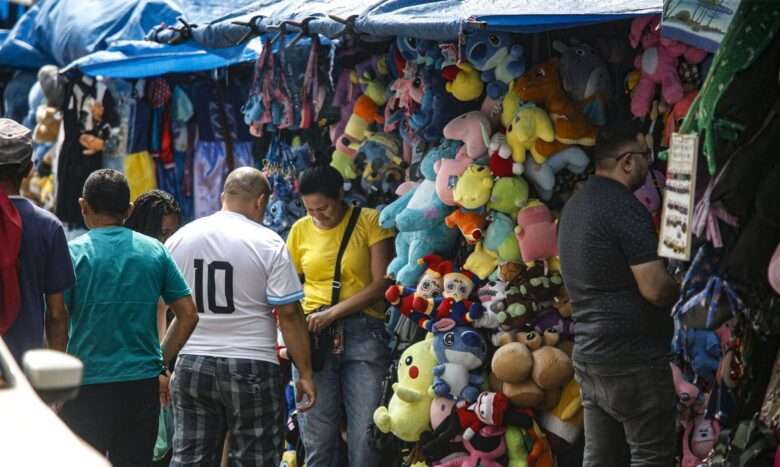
x: 674, y: 240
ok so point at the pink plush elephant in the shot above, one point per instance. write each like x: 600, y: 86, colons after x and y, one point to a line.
x: 658, y: 64
x: 474, y: 130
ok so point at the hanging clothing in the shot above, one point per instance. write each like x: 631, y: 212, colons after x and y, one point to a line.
x: 89, y: 109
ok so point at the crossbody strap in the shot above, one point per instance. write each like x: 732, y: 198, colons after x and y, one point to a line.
x: 336, y: 292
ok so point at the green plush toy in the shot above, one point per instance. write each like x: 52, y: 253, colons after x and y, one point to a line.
x: 344, y: 164
x: 501, y: 239
x: 515, y: 447
x: 474, y: 187
x: 509, y: 195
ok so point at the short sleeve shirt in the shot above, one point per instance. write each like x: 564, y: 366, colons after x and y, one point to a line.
x: 44, y: 268
x: 314, y: 252
x: 239, y: 270
x: 604, y: 230
x: 120, y: 277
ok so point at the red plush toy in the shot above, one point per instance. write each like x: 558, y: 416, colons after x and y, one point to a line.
x: 428, y: 287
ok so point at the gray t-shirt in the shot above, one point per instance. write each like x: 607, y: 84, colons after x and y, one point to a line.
x: 604, y: 230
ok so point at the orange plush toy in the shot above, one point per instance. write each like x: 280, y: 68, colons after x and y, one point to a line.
x: 542, y: 85
x: 470, y: 223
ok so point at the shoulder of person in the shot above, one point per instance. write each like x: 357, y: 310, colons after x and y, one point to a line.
x: 304, y: 222
x: 369, y: 216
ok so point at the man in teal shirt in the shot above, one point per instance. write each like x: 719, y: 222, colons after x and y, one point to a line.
x: 120, y: 277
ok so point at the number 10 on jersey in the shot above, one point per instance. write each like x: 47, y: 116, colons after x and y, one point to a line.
x: 211, y: 281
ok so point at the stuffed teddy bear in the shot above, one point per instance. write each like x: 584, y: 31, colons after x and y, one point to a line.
x: 542, y: 86
x: 408, y: 413
x: 474, y: 187
x: 429, y: 286
x: 47, y: 127
x: 585, y: 77
x: 453, y: 307
x: 537, y: 232
x: 419, y: 217
x: 482, y: 261
x: 470, y: 223
x: 529, y: 125
x: 501, y: 239
x: 467, y: 84
x: 460, y: 352
x: 509, y: 195
x: 496, y: 57
x: 658, y: 62
x: 571, y: 158
x: 501, y: 162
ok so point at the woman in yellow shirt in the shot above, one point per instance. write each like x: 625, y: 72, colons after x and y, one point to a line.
x: 352, y: 371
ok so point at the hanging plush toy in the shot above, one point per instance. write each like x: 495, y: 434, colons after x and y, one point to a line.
x: 529, y: 125
x: 454, y: 306
x: 408, y: 414
x: 482, y: 261
x: 496, y: 57
x: 501, y: 238
x: 536, y: 232
x: 572, y: 158
x: 501, y: 162
x: 419, y: 217
x: 438, y: 108
x: 460, y: 353
x: 429, y: 287
x: 473, y: 129
x: 658, y: 63
x: 585, y: 78
x: 509, y: 195
x: 470, y: 223
x: 542, y: 85
x: 474, y: 187
x: 467, y: 84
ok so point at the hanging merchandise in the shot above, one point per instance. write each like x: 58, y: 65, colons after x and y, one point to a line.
x: 88, y: 119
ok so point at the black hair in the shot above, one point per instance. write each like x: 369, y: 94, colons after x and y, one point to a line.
x: 107, y: 192
x: 14, y: 173
x: 148, y: 211
x: 323, y: 180
x: 615, y: 138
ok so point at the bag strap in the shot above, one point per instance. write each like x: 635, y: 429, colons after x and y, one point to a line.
x: 336, y: 291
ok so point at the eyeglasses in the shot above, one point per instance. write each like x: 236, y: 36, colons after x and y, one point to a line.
x: 648, y: 155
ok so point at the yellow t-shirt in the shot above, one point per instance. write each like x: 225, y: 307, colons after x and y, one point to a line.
x: 313, y: 251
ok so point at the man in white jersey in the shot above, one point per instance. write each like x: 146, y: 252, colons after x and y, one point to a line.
x: 227, y: 377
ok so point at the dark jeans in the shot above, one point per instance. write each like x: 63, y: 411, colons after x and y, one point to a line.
x: 118, y: 419
x: 629, y: 414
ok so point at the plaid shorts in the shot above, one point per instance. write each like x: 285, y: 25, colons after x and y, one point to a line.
x: 212, y: 396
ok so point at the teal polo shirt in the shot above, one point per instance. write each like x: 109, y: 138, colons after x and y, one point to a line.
x: 120, y: 276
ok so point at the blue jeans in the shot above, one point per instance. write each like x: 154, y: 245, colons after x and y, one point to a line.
x: 629, y: 414
x: 352, y: 380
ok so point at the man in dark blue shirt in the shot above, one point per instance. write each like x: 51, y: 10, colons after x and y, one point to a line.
x: 621, y: 294
x: 45, y: 269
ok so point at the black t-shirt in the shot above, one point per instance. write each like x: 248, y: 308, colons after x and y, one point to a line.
x: 604, y: 230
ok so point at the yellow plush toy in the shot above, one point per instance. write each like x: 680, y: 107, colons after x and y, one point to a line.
x: 289, y: 459
x: 566, y: 420
x: 511, y: 103
x: 344, y: 164
x: 409, y: 411
x: 467, y: 85
x: 529, y: 124
x: 481, y: 261
x: 474, y: 187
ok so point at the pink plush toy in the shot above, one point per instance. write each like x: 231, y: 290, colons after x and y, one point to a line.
x: 474, y: 130
x: 478, y: 458
x: 658, y: 64
x: 536, y: 232
x: 649, y: 194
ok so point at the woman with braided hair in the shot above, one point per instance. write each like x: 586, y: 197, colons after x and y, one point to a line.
x: 156, y: 214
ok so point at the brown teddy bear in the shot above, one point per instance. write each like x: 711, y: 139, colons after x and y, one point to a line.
x: 47, y: 126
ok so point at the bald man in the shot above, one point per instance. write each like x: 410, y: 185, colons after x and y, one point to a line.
x: 227, y: 378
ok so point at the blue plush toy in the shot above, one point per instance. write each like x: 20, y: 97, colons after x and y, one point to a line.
x: 460, y: 352
x: 497, y: 58
x: 418, y: 216
x: 438, y: 107
x: 501, y: 238
x: 701, y: 348
x: 420, y: 51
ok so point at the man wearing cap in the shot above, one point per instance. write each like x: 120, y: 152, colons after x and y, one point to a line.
x: 42, y: 259
x: 621, y: 293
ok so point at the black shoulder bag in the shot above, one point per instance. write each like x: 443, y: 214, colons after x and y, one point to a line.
x: 322, y: 343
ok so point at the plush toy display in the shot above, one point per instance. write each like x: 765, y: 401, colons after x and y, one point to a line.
x: 501, y: 162
x: 496, y: 57
x: 408, y: 413
x: 482, y: 261
x: 572, y: 158
x: 460, y: 352
x: 454, y: 306
x: 529, y: 125
x: 438, y: 108
x: 474, y: 187
x: 658, y: 62
x: 542, y: 85
x: 537, y: 233
x: 429, y: 286
x: 474, y: 130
